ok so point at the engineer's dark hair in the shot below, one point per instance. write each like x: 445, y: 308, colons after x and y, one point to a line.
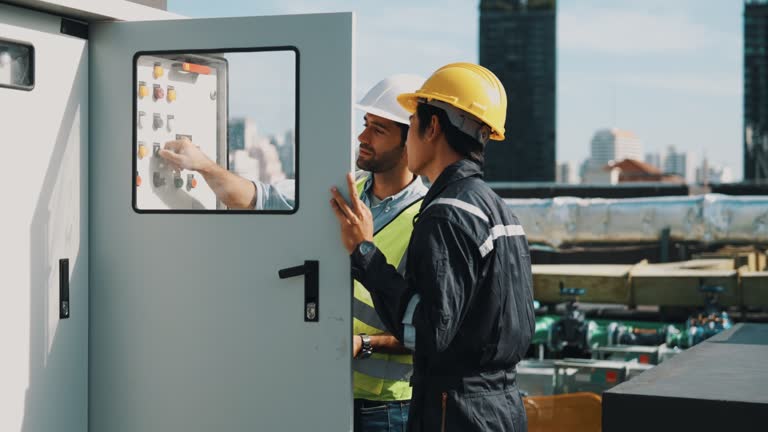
x: 462, y: 143
x: 403, y: 133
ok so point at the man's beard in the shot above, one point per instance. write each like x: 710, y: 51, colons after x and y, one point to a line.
x: 383, y: 162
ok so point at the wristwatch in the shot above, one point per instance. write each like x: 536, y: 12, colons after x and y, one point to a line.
x: 367, y: 349
x: 365, y: 247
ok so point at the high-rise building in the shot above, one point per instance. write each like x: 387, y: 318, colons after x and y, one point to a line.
x: 567, y: 172
x: 755, y: 90
x: 286, y: 151
x: 517, y: 43
x: 252, y: 155
x: 653, y: 159
x: 680, y: 163
x: 615, y: 145
x: 240, y: 133
x: 610, y: 146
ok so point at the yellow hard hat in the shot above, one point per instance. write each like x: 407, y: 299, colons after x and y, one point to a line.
x: 468, y: 87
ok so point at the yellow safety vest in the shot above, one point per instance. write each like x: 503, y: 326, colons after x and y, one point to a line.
x: 383, y: 377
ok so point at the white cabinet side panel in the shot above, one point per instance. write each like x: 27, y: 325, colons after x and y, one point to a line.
x: 44, y: 361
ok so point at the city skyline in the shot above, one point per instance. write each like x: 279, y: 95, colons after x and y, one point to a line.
x: 669, y: 71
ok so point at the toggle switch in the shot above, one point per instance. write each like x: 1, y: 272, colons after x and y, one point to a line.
x: 171, y: 120
x: 178, y: 181
x: 171, y: 94
x: 191, y: 182
x: 140, y: 120
x: 143, y: 90
x: 158, y: 180
x: 155, y: 149
x: 157, y: 70
x: 138, y: 179
x: 157, y: 121
x: 142, y: 151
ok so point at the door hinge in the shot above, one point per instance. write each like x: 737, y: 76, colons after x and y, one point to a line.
x: 74, y: 28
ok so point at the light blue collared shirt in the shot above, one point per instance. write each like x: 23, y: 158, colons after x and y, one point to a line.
x: 387, y: 209
x: 278, y: 196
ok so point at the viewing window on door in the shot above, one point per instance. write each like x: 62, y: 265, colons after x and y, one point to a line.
x: 216, y: 131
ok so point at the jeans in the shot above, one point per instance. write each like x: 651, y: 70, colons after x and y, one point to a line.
x: 378, y: 416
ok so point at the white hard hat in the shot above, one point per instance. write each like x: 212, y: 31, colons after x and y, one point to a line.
x: 381, y: 100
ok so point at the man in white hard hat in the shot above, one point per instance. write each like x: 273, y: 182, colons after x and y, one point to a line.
x: 381, y: 366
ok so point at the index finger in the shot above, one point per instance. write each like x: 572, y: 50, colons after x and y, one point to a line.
x: 174, y: 145
x: 354, y: 200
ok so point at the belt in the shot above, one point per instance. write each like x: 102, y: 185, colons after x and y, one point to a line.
x: 367, y: 403
x: 477, y: 383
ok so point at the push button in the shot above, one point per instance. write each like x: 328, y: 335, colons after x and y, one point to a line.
x: 191, y: 182
x: 170, y: 121
x: 158, y: 92
x: 178, y: 181
x: 138, y: 180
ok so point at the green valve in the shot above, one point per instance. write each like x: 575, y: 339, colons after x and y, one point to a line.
x: 543, y: 324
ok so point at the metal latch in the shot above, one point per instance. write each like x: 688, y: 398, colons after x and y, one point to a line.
x: 311, y: 271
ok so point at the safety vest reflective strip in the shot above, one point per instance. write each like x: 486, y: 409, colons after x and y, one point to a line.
x: 383, y: 376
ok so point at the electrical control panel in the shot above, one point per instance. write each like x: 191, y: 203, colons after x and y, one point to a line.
x: 178, y: 96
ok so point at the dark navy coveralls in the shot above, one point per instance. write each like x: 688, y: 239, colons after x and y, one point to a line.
x: 466, y: 299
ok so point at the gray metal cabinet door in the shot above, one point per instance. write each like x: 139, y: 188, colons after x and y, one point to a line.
x: 191, y: 328
x: 44, y: 183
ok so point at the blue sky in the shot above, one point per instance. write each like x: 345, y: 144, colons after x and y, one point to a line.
x: 670, y: 71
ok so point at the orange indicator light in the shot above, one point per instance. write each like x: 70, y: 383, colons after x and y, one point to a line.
x: 195, y: 68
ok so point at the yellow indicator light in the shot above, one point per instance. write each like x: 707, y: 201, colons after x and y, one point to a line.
x: 171, y: 95
x: 142, y: 151
x: 143, y: 90
x: 157, y: 71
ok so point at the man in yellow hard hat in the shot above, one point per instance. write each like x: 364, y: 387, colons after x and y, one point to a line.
x: 465, y: 304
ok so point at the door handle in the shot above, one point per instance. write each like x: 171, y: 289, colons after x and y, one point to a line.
x: 64, y: 289
x: 311, y: 271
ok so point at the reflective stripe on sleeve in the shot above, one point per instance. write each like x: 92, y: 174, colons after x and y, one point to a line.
x: 500, y: 231
x: 462, y: 205
x: 409, y: 331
